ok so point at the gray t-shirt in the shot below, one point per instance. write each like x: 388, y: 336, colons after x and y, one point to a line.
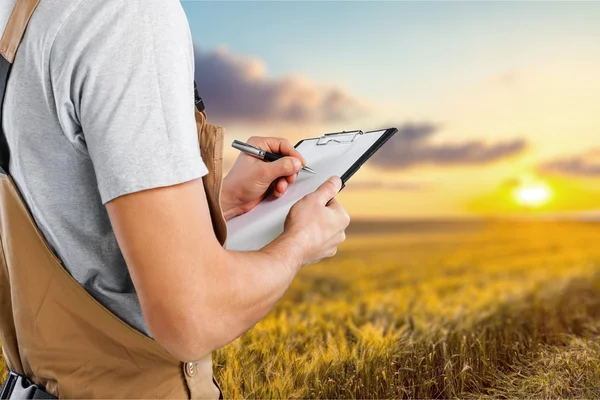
x: 99, y: 104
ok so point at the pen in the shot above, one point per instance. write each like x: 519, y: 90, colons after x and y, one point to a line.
x: 262, y: 154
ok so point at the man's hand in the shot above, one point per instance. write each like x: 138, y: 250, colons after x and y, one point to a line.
x: 251, y: 179
x: 317, y: 223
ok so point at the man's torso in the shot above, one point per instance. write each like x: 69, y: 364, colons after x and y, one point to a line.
x: 50, y: 162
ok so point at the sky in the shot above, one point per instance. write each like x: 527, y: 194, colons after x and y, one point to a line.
x: 496, y: 103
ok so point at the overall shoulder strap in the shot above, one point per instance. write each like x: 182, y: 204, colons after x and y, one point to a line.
x: 9, y: 43
x: 15, y: 28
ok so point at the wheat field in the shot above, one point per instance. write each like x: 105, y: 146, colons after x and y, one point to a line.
x: 433, y: 310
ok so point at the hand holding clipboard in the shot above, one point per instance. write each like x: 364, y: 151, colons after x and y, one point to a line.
x: 334, y: 154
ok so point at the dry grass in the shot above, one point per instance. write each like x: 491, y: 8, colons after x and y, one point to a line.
x: 435, y: 315
x: 569, y: 371
x: 496, y: 310
x: 2, y: 369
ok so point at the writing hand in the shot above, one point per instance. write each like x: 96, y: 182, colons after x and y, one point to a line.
x: 251, y: 179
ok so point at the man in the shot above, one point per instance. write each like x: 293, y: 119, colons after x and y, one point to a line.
x: 99, y: 119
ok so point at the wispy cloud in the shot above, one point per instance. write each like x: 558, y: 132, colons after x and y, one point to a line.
x: 507, y: 78
x: 584, y: 165
x: 237, y: 89
x: 411, y: 146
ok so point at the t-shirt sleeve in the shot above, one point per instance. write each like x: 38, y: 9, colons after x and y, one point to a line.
x: 123, y: 71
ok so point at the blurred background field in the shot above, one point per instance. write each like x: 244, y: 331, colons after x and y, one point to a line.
x: 496, y: 105
x: 433, y: 310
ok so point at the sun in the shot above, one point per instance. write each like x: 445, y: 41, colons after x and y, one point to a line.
x: 532, y: 194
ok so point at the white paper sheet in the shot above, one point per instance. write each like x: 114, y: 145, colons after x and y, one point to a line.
x: 257, y: 228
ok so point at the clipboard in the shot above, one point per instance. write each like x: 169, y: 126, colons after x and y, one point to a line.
x: 340, y: 153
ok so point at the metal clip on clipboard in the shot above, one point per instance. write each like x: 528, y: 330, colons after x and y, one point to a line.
x: 339, y: 137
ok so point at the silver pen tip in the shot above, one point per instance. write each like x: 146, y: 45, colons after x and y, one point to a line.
x: 308, y: 169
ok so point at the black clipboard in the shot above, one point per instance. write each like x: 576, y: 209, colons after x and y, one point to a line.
x: 335, y: 137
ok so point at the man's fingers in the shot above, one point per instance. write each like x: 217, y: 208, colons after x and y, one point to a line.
x: 280, y: 187
x: 327, y: 190
x: 276, y: 145
x: 287, y: 166
x: 291, y: 178
x: 283, y: 167
x: 338, y: 208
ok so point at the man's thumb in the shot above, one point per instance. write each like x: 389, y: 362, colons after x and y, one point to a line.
x: 328, y: 189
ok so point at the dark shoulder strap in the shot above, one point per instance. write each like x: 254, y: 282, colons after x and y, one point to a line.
x: 198, y: 100
x: 4, y: 152
x: 9, y: 43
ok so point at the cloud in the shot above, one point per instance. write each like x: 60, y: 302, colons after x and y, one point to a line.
x: 387, y: 185
x: 512, y: 183
x: 411, y: 146
x: 237, y: 89
x: 583, y: 165
x: 508, y: 78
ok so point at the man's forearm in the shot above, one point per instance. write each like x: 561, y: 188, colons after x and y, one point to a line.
x: 249, y: 286
x: 195, y: 295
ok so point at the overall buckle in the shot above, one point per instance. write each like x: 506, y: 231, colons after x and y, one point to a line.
x: 19, y: 387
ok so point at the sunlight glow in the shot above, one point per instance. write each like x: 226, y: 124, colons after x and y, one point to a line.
x: 533, y: 194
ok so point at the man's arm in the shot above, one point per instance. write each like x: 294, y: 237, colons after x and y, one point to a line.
x: 127, y: 81
x: 195, y: 295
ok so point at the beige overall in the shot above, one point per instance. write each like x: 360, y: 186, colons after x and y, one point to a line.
x: 53, y: 331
